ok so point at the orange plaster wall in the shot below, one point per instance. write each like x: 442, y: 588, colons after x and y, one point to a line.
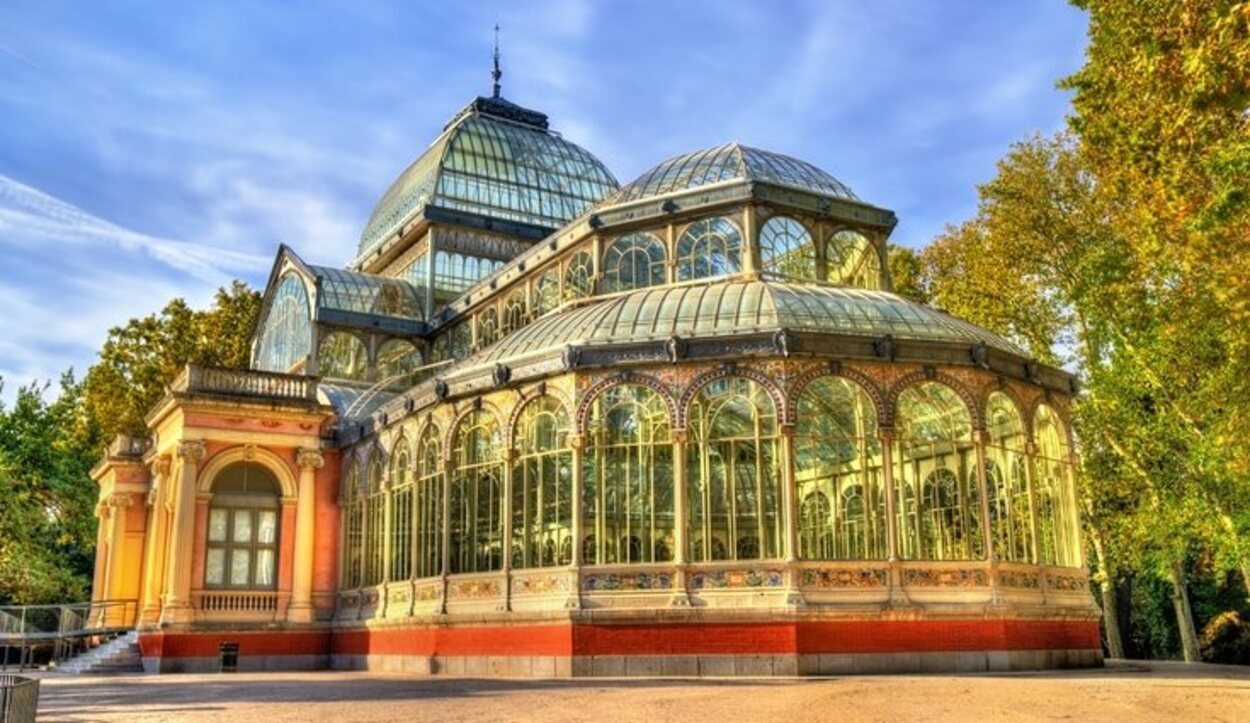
x: 200, y: 548
x: 286, y: 542
x: 250, y: 424
x: 326, y: 548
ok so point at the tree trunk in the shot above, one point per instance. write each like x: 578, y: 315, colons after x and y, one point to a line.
x: 1110, y: 605
x: 1184, y: 615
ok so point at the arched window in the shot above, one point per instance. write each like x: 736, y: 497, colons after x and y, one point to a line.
x: 477, y: 495
x: 939, y: 513
x: 837, y: 459
x: 242, y: 544
x: 1056, y: 507
x: 487, y: 327
x: 286, y: 335
x: 353, y: 503
x: 815, y: 521
x: 546, y: 292
x: 852, y: 260
x: 786, y: 249
x: 514, y: 316
x: 396, y: 358
x: 635, y: 261
x: 1008, y: 491
x: 401, y: 513
x: 375, y: 522
x: 733, y: 472
x: 429, y: 505
x: 628, y: 478
x: 579, y: 275
x: 707, y: 248
x: 542, y: 485
x: 342, y: 356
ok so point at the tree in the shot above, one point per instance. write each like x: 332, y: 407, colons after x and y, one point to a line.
x: 140, y: 359
x: 47, y: 531
x: 906, y: 273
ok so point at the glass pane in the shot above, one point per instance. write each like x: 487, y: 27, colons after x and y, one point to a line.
x: 217, y: 525
x: 264, y: 567
x: 215, y: 567
x: 240, y: 564
x: 242, y: 526
x: 267, y: 527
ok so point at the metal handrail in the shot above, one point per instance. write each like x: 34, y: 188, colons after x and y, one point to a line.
x: 63, y: 629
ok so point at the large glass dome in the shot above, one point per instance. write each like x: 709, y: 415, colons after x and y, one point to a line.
x: 729, y: 162
x: 498, y: 160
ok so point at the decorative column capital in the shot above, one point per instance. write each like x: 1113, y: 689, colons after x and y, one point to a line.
x: 310, y: 458
x: 121, y: 500
x: 577, y: 441
x: 191, y: 450
x: 886, y: 434
x: 680, y: 436
x: 161, y: 465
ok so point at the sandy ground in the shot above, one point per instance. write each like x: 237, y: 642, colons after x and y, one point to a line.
x: 1118, y: 693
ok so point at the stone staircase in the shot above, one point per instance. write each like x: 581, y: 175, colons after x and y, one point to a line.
x: 119, y: 655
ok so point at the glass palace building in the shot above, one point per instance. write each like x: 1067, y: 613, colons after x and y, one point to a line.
x: 546, y: 424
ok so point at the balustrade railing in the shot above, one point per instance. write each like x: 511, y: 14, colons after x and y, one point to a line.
x: 245, y: 603
x: 245, y: 382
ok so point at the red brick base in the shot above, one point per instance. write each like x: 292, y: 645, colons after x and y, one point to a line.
x: 901, y: 641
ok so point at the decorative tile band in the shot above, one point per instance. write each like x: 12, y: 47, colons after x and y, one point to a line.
x: 475, y: 588
x: 1067, y: 583
x: 736, y: 579
x: 842, y: 578
x: 540, y: 585
x: 629, y: 581
x: 925, y: 577
x: 1019, y: 579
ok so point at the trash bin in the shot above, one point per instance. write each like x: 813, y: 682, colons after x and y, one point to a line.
x: 229, y: 653
x: 19, y: 698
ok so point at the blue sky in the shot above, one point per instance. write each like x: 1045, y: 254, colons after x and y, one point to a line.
x: 154, y: 150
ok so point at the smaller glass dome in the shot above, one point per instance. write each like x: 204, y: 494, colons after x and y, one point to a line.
x: 729, y: 162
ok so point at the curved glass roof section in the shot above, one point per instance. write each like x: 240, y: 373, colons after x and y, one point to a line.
x: 362, y: 293
x: 732, y: 161
x: 497, y: 160
x: 740, y: 307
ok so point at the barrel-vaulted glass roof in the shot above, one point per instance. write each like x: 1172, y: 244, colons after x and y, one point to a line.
x: 732, y: 161
x: 498, y: 160
x: 362, y: 293
x: 738, y: 307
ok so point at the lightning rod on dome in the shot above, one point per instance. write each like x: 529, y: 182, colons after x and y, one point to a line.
x: 496, y: 74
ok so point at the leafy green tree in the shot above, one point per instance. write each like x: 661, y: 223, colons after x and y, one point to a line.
x: 47, y: 528
x: 140, y: 359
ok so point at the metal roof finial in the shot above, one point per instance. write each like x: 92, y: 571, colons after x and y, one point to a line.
x: 496, y: 74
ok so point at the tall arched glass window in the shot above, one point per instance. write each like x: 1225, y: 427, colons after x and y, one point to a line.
x: 838, y: 470
x: 628, y: 497
x: 514, y: 312
x: 477, y: 495
x: 635, y: 261
x: 1010, y: 511
x: 353, y: 528
x: 707, y: 248
x: 733, y: 473
x: 429, y: 505
x: 546, y: 292
x: 286, y: 335
x: 401, y: 493
x: 786, y: 249
x: 579, y: 275
x: 375, y: 522
x: 242, y: 546
x: 542, y: 486
x: 342, y: 355
x: 939, y: 513
x: 852, y: 260
x: 397, y: 357
x: 487, y: 327
x: 1056, y: 507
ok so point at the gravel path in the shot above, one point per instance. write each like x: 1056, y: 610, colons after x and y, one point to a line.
x: 1119, y: 692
